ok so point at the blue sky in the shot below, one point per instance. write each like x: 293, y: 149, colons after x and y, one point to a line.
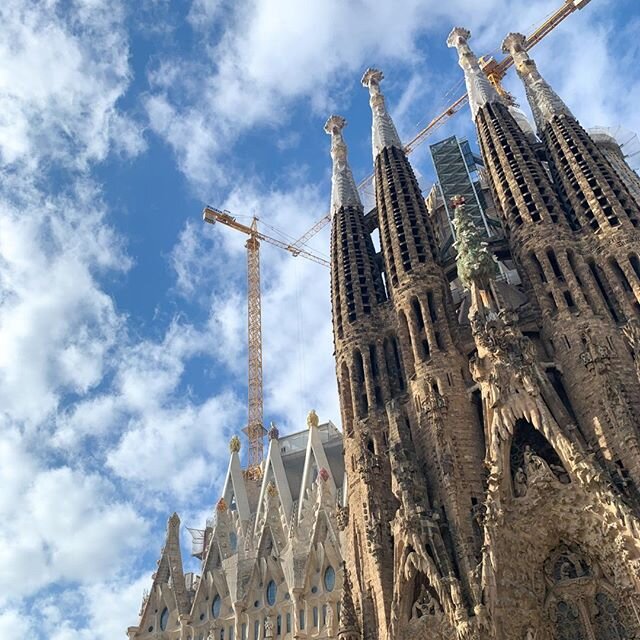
x: 122, y: 317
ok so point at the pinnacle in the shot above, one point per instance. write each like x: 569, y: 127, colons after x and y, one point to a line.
x: 514, y: 42
x: 372, y: 76
x: 458, y: 36
x: 335, y: 124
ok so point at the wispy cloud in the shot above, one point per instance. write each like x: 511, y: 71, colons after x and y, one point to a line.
x: 104, y: 413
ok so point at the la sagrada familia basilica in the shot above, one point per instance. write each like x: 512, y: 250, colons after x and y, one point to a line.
x: 486, y: 482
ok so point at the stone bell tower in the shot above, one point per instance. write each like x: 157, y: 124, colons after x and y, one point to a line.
x: 605, y: 220
x: 413, y: 441
x: 440, y: 421
x: 560, y: 527
x: 592, y: 363
x: 369, y: 373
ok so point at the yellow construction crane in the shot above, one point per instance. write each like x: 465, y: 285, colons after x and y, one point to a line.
x: 495, y: 72
x: 255, y: 427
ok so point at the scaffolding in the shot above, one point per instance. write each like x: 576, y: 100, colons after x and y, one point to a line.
x: 456, y: 168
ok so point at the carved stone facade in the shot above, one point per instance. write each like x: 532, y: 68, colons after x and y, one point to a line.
x: 271, y: 555
x: 491, y: 437
x: 506, y: 489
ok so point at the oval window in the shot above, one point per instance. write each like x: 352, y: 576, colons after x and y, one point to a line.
x: 271, y: 593
x: 329, y: 578
x: 164, y: 619
x: 216, y: 605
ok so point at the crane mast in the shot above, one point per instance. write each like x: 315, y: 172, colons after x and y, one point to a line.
x: 255, y: 430
x: 255, y: 427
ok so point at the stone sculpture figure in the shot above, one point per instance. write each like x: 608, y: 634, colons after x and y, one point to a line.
x: 425, y: 605
x: 329, y: 619
x: 520, y: 483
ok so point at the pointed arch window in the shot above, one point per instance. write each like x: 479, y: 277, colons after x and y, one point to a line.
x: 272, y: 591
x: 329, y: 578
x: 582, y: 604
x: 216, y: 606
x: 164, y: 619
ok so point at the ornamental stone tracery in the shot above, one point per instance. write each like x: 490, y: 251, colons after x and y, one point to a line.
x: 486, y: 483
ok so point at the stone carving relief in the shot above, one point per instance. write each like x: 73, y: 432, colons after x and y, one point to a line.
x: 425, y: 605
x: 520, y: 483
x: 632, y: 334
x: 581, y: 603
x: 342, y: 514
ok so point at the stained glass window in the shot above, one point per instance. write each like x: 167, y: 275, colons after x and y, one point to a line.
x: 568, y: 622
x: 216, y: 606
x: 606, y: 622
x: 164, y: 619
x: 272, y: 590
x: 329, y: 578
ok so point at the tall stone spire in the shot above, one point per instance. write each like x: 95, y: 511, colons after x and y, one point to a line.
x: 480, y: 91
x: 354, y: 294
x: 348, y: 629
x: 405, y: 230
x: 444, y: 425
x: 344, y: 192
x: 383, y: 131
x: 545, y: 102
x: 366, y: 383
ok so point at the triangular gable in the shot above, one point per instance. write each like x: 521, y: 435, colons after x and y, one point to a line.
x: 317, y: 457
x: 235, y: 490
x: 168, y: 587
x: 324, y: 546
x: 214, y: 573
x: 274, y: 471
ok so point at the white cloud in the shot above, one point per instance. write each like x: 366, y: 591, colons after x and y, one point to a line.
x: 108, y: 606
x: 56, y: 324
x: 60, y: 77
x: 174, y: 450
x: 166, y: 442
x: 12, y: 619
x: 198, y: 258
x: 203, y: 13
x: 58, y: 524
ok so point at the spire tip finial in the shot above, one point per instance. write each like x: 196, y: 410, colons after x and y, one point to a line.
x: 372, y: 77
x: 344, y: 191
x: 514, y: 42
x: 545, y: 102
x: 480, y: 91
x: 335, y: 124
x: 383, y: 131
x: 458, y: 36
